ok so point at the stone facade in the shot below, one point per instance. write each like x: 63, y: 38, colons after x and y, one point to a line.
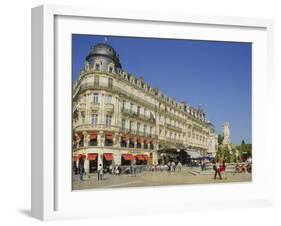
x: 117, y: 113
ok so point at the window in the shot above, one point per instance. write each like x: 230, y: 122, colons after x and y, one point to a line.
x: 108, y: 119
x: 144, y: 129
x: 123, y: 124
x: 83, y: 119
x: 94, y: 119
x: 97, y: 67
x: 110, y: 83
x: 150, y: 130
x: 96, y: 81
x: 96, y: 98
x: 110, y: 69
x: 130, y: 125
x: 131, y: 107
x: 109, y: 99
x: 138, y: 111
x: 138, y: 128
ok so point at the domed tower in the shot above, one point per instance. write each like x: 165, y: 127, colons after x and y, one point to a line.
x: 211, y: 127
x: 102, y: 57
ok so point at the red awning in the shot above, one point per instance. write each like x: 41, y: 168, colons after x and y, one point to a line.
x: 145, y: 157
x: 92, y: 156
x: 128, y: 157
x: 124, y: 138
x: 93, y: 136
x: 81, y: 156
x: 146, y: 142
x: 108, y: 156
x: 74, y: 158
x: 109, y: 136
x: 139, y: 157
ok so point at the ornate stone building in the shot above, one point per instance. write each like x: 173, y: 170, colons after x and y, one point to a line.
x: 120, y: 119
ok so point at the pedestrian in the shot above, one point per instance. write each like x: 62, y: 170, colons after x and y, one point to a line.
x: 81, y: 172
x: 169, y: 166
x: 179, y: 166
x: 100, y: 172
x: 110, y: 169
x: 203, y: 165
x: 216, y: 167
x: 119, y: 169
x: 222, y: 169
x: 173, y: 166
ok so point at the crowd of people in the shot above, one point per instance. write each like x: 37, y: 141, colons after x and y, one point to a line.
x: 243, y: 168
x: 171, y: 166
x: 219, y: 168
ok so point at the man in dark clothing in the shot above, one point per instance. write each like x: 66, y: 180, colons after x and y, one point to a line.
x: 216, y: 168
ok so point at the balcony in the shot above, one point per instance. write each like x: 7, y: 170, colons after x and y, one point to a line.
x: 137, y: 133
x: 111, y: 88
x: 137, y: 115
x: 128, y: 112
x: 94, y: 106
x: 172, y: 127
x: 109, y: 107
x: 81, y: 127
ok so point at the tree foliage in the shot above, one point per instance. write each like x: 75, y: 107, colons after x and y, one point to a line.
x: 245, y: 150
x: 220, y: 139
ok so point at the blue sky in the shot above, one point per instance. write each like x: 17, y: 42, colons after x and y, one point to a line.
x: 215, y: 75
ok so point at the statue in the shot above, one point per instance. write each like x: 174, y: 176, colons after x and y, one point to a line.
x: 226, y: 134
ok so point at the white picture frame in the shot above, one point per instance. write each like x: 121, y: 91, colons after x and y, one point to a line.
x: 52, y: 197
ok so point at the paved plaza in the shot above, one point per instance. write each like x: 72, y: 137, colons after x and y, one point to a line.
x: 186, y: 176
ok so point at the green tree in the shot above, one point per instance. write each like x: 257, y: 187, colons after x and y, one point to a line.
x: 220, y: 139
x: 245, y: 150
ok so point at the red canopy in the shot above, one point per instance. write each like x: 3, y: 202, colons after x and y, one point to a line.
x: 128, y: 157
x: 92, y: 156
x: 93, y: 136
x: 108, y: 156
x: 140, y: 157
x: 74, y: 158
x: 109, y: 136
x: 145, y: 157
x: 81, y: 156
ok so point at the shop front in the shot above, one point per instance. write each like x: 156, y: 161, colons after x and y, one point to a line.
x: 93, y: 162
x: 141, y: 159
x: 74, y: 164
x: 107, y: 160
x: 127, y: 159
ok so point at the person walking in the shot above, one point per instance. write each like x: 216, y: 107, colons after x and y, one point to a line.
x: 100, y: 172
x: 81, y: 172
x: 216, y: 167
x: 173, y: 166
x: 179, y: 166
x: 222, y: 169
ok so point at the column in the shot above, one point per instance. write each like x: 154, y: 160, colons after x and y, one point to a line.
x: 87, y: 165
x: 86, y: 139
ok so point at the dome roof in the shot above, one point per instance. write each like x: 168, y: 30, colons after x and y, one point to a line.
x: 211, y: 127
x: 105, y: 53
